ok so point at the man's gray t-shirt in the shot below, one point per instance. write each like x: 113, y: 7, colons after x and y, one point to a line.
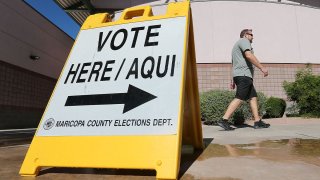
x: 241, y: 66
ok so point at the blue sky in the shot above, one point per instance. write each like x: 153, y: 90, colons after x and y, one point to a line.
x: 56, y: 15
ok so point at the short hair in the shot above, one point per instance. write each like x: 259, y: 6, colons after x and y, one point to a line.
x: 243, y: 32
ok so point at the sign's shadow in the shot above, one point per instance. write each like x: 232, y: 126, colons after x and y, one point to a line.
x: 67, y: 173
x: 188, y: 159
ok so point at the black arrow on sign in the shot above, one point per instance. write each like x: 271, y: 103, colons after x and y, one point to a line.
x: 132, y: 99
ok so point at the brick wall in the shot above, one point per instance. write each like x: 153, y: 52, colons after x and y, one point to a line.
x: 23, y: 96
x: 218, y: 76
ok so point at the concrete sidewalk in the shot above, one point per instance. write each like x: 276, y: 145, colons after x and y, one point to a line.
x: 289, y: 149
x: 281, y: 128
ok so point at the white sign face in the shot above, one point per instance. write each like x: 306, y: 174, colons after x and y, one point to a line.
x: 120, y: 80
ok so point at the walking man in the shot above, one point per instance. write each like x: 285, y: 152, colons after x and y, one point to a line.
x: 243, y: 60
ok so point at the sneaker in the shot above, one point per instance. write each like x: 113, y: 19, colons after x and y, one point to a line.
x: 260, y: 124
x: 225, y: 125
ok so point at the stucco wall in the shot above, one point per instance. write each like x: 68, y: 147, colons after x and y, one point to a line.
x: 284, y: 32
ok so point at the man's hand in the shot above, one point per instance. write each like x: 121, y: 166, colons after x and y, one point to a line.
x: 264, y: 71
x: 232, y: 85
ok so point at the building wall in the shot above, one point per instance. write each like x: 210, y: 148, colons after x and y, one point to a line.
x: 25, y: 84
x: 24, y: 32
x: 283, y: 33
x: 285, y: 39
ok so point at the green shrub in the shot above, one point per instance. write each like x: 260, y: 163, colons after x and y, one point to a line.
x: 275, y: 107
x: 305, y: 91
x: 213, y: 105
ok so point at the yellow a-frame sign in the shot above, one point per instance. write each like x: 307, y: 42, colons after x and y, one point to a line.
x: 127, y: 96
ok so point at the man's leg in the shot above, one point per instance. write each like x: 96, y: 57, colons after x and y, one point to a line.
x: 241, y: 93
x: 235, y: 103
x: 254, y: 108
x: 231, y: 108
x: 258, y: 123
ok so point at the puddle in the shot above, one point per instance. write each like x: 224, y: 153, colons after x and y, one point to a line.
x: 288, y: 150
x: 306, y: 150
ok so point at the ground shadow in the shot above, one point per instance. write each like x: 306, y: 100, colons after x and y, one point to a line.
x: 243, y: 126
x: 238, y: 126
x: 188, y: 159
x: 131, y: 172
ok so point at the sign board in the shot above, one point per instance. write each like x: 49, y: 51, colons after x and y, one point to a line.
x: 123, y: 85
x: 139, y: 89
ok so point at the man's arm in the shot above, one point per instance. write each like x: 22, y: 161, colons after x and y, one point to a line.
x: 252, y: 58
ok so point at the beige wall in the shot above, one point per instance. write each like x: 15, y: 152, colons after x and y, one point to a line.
x: 284, y: 32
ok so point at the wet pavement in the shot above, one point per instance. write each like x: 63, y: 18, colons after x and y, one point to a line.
x: 290, y: 149
x: 273, y: 159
